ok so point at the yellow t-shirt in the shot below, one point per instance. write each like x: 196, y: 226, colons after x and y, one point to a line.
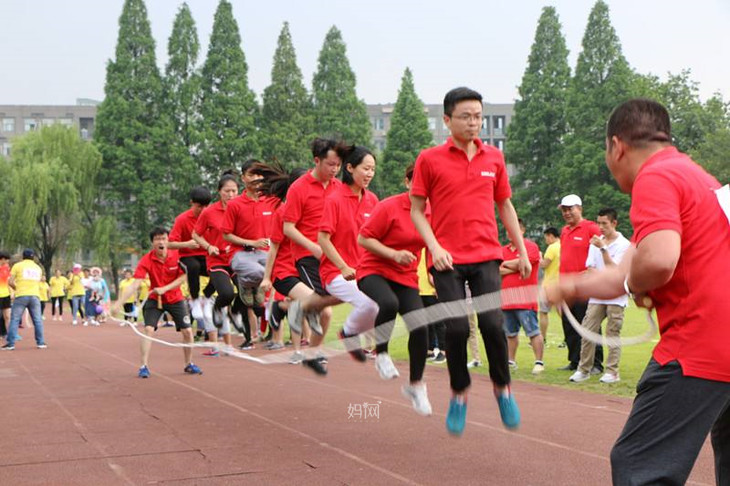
x: 552, y: 271
x: 58, y: 286
x: 424, y: 285
x: 44, y: 291
x: 123, y: 286
x: 144, y: 289
x: 76, y: 288
x: 27, y: 275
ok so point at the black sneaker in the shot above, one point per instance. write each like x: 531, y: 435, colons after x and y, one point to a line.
x: 316, y: 365
x: 355, y: 351
x: 440, y: 358
x: 8, y: 347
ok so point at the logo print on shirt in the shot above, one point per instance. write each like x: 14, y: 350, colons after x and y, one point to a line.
x: 578, y: 238
x: 486, y: 173
x: 267, y: 213
x: 366, y: 215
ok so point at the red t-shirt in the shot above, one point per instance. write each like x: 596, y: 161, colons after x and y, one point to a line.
x: 284, y: 263
x: 462, y: 195
x: 161, y: 272
x: 249, y: 218
x: 528, y: 298
x: 304, y: 206
x: 343, y: 216
x: 209, y: 227
x: 671, y: 192
x: 574, y: 244
x: 182, y: 230
x: 391, y: 224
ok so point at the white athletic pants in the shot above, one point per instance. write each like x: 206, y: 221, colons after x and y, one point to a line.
x: 364, y: 309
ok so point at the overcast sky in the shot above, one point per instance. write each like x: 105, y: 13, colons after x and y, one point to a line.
x: 53, y: 52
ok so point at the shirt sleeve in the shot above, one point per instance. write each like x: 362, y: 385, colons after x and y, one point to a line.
x: 421, y: 178
x: 176, y: 232
x: 229, y: 218
x: 550, y: 252
x: 330, y: 216
x: 294, y: 205
x: 141, y: 271
x: 502, y: 189
x: 378, y: 224
x: 533, y: 253
x: 277, y: 227
x: 655, y: 205
x: 202, y: 224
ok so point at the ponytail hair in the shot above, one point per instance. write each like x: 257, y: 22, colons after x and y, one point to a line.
x: 275, y: 182
x: 228, y: 175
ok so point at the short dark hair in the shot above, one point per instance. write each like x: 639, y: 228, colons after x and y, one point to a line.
x: 249, y: 164
x: 200, y: 195
x: 410, y: 170
x: 321, y: 146
x: 610, y: 212
x: 459, y: 94
x: 551, y: 231
x: 157, y: 231
x: 639, y: 122
x: 228, y: 175
x: 4, y: 255
x: 353, y: 156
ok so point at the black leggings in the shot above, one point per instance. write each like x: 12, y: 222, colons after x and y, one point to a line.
x: 220, y: 278
x: 57, y: 301
x: 394, y: 298
x: 195, y: 266
x: 483, y: 279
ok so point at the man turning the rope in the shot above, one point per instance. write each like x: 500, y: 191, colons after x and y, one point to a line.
x: 166, y: 275
x: 681, y: 222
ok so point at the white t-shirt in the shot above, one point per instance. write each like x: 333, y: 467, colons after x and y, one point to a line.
x: 616, y: 250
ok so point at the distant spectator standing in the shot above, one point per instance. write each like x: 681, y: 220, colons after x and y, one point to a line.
x: 25, y: 279
x: 58, y: 284
x: 550, y: 263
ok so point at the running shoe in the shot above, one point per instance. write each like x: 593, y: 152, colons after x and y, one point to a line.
x: 538, y: 368
x: 275, y: 346
x: 8, y: 347
x: 144, y: 372
x: 246, y: 345
x: 295, y: 315
x: 386, y: 368
x: 508, y: 409
x: 440, y: 358
x: 456, y: 417
x: 610, y: 378
x: 42, y: 346
x: 211, y: 352
x: 579, y: 377
x: 355, y: 351
x: 321, y: 357
x: 475, y: 363
x: 316, y: 365
x: 418, y: 395
x: 296, y: 358
x: 193, y: 369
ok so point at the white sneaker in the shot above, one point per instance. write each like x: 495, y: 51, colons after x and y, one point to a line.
x: 538, y: 369
x: 74, y: 322
x: 610, y: 378
x: 94, y: 322
x: 385, y: 366
x: 196, y: 310
x: 208, y: 312
x: 86, y: 323
x: 579, y: 377
x: 512, y: 365
x: 418, y: 395
x: 475, y: 363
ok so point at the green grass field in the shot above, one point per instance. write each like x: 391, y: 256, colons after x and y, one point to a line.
x: 633, y: 358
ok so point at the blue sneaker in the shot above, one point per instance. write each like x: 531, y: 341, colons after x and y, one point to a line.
x: 456, y: 418
x: 144, y: 372
x: 193, y: 369
x: 508, y: 409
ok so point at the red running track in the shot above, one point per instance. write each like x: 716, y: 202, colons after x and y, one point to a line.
x: 76, y: 413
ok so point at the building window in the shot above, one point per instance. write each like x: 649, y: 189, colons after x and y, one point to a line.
x: 380, y: 145
x: 66, y: 122
x: 498, y: 124
x: 485, y: 125
x: 499, y: 143
x: 9, y: 125
x: 379, y: 123
x: 29, y: 124
x: 431, y: 123
x: 6, y: 149
x: 47, y: 122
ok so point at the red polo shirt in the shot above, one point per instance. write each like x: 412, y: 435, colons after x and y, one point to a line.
x: 527, y: 299
x: 671, y: 192
x: 343, y: 216
x: 462, y: 195
x: 209, y: 227
x: 249, y: 218
x: 574, y: 244
x: 161, y: 272
x: 284, y: 263
x: 182, y: 230
x: 391, y: 224
x: 304, y: 206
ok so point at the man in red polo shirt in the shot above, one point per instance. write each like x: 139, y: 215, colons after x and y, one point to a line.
x: 463, y: 180
x: 681, y: 219
x: 519, y: 301
x: 162, y: 265
x: 303, y: 213
x: 575, y: 240
x: 192, y: 255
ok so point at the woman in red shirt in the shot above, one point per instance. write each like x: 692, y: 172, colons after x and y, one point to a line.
x: 209, y: 236
x: 387, y: 273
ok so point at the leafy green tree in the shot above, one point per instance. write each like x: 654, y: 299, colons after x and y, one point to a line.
x: 182, y: 96
x: 287, y: 118
x: 713, y: 154
x: 135, y: 137
x: 603, y: 79
x: 48, y: 190
x: 534, y: 143
x: 337, y: 109
x: 407, y: 136
x: 228, y: 106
